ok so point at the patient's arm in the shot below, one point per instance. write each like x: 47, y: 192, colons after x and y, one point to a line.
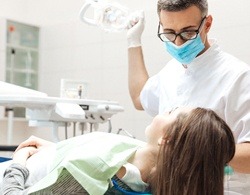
x: 16, y: 174
x: 29, y: 165
x: 36, y: 142
x: 14, y: 180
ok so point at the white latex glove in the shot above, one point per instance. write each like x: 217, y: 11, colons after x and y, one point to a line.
x: 135, y: 27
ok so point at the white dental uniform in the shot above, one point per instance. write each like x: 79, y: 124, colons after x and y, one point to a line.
x: 213, y: 80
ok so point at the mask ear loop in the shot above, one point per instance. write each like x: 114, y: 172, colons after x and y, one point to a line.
x: 228, y: 172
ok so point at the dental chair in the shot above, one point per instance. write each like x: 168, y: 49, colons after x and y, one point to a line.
x: 121, y: 191
x: 6, y: 148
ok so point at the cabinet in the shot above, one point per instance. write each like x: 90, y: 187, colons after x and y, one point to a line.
x: 19, y: 50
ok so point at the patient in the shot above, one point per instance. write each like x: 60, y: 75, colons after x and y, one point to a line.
x: 185, y: 153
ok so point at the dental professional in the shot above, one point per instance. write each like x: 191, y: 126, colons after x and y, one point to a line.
x: 200, y: 74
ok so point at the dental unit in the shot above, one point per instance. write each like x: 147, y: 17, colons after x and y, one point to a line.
x: 42, y: 110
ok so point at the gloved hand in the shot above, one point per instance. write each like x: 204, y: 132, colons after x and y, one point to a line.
x: 135, y: 27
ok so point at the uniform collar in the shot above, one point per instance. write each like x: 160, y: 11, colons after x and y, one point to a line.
x: 199, y: 60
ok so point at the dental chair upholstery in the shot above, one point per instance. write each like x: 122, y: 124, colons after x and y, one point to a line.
x: 5, y: 148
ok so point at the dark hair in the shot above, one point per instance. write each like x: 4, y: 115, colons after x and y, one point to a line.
x: 178, y: 5
x: 197, y: 147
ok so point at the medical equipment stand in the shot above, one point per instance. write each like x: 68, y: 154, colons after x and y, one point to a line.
x: 10, y: 116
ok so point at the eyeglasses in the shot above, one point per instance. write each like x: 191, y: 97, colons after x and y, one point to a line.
x: 185, y: 35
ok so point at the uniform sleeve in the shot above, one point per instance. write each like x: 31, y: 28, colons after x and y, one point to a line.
x: 14, y: 180
x: 237, y: 108
x: 149, y: 96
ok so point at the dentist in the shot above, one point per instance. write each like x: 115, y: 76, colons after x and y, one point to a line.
x: 200, y: 74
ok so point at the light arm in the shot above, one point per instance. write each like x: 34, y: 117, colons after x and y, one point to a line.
x: 137, y: 75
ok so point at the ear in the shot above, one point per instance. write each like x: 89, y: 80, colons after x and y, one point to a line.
x: 161, y: 141
x: 208, y: 24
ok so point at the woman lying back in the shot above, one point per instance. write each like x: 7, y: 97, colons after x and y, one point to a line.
x: 185, y: 154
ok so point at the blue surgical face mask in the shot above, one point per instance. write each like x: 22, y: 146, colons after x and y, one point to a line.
x: 187, y: 52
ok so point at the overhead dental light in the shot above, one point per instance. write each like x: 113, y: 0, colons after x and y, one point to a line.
x: 109, y: 16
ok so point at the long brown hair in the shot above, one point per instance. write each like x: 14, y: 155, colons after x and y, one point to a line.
x: 191, y: 162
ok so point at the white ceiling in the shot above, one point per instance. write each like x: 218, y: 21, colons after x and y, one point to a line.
x: 49, y: 12
x: 41, y: 12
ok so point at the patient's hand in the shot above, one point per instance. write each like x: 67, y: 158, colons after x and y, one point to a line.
x: 35, y: 142
x: 23, y: 154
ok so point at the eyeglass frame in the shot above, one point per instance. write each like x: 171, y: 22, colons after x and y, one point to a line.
x: 197, y: 31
